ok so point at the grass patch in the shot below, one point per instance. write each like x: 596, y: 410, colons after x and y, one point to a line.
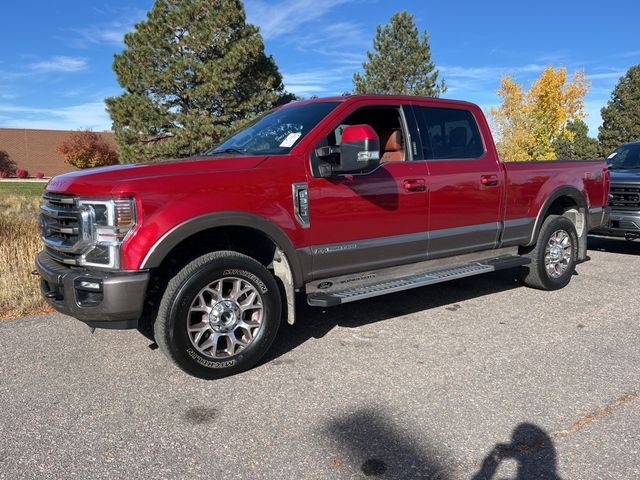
x: 19, y: 244
x: 34, y: 189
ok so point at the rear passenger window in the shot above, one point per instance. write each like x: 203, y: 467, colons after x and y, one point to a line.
x: 448, y: 133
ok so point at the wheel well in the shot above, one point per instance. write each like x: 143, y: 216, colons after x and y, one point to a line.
x: 561, y: 205
x: 568, y: 207
x: 245, y: 240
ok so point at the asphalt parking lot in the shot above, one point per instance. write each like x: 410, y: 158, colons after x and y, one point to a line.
x: 477, y: 378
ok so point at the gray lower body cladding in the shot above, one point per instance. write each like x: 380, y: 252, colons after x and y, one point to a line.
x: 620, y: 223
x: 101, y: 299
x: 371, y: 254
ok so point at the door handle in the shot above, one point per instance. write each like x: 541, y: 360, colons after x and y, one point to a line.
x: 489, y: 180
x: 415, y: 185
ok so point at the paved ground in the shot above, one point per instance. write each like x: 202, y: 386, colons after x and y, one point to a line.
x: 478, y: 378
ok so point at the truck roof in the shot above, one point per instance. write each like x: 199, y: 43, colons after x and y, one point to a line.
x: 399, y: 98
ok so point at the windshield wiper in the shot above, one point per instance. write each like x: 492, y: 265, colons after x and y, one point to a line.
x: 227, y: 150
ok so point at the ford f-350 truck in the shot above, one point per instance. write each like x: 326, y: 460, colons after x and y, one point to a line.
x: 624, y: 196
x: 332, y: 200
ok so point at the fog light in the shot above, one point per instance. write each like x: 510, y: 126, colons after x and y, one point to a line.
x: 91, y: 285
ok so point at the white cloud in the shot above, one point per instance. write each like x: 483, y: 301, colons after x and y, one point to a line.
x: 554, y: 57
x: 111, y: 32
x: 315, y: 82
x: 91, y: 115
x: 279, y: 18
x: 6, y: 93
x: 488, y: 73
x: 606, y: 75
x: 60, y: 64
x: 337, y: 35
x: 306, y: 90
x: 631, y: 53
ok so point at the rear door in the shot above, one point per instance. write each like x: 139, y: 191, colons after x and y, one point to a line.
x: 376, y: 219
x: 465, y: 181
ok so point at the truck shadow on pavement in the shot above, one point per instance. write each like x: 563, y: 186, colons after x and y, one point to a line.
x: 614, y: 245
x: 370, y: 442
x: 316, y: 322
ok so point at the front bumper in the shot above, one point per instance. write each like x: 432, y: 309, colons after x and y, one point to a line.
x: 620, y: 224
x: 116, y: 303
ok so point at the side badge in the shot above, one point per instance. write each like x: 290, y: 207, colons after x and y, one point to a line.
x: 324, y: 285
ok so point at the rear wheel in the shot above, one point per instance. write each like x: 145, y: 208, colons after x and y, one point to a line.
x: 219, y: 315
x: 553, y: 258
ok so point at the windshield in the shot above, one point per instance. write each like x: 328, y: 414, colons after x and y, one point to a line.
x: 277, y: 132
x: 625, y: 157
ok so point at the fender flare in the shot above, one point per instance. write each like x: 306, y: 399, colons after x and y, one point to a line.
x: 161, y: 248
x: 566, y: 191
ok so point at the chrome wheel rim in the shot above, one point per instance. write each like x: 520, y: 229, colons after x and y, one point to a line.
x: 225, y: 317
x: 558, y: 254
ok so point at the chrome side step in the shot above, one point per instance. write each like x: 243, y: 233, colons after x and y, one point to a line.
x: 321, y: 299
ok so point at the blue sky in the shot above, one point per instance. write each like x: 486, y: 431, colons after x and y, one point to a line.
x: 55, y: 64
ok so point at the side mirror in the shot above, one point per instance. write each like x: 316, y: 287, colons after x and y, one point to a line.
x: 359, y: 149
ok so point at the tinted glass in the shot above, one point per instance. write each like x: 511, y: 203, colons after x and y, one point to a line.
x: 448, y: 133
x: 277, y: 132
x: 627, y: 156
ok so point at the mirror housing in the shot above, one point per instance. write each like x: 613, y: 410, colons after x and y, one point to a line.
x: 359, y: 151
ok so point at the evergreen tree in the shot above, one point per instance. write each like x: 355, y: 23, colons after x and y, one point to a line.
x: 400, y: 63
x: 582, y: 147
x: 192, y: 71
x: 621, y: 116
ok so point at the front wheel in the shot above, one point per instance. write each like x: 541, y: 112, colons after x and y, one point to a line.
x: 218, y: 315
x: 553, y: 258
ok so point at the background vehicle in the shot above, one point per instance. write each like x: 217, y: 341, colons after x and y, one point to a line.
x: 624, y: 197
x: 341, y: 199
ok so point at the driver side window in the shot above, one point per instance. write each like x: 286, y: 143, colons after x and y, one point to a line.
x: 386, y: 122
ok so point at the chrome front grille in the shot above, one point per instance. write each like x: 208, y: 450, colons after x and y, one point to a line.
x: 624, y: 197
x: 65, y: 228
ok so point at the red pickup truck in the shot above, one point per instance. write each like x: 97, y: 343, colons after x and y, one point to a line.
x: 332, y: 200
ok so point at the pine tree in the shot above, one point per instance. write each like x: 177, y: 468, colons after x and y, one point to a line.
x: 582, y: 147
x: 400, y: 63
x: 621, y: 116
x: 192, y: 71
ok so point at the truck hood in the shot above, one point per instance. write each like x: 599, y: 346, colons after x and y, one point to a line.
x: 625, y: 176
x: 119, y: 179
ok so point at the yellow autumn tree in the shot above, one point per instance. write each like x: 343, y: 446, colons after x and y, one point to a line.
x: 528, y: 122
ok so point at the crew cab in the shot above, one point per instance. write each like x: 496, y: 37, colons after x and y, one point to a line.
x: 624, y: 197
x: 328, y: 200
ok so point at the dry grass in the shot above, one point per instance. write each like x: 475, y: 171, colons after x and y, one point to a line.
x: 19, y: 244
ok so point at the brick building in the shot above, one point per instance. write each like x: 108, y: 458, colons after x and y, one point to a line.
x: 36, y: 150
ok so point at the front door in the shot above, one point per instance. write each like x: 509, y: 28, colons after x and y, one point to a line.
x: 367, y: 221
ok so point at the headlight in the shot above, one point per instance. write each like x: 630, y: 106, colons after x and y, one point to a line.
x: 111, y: 221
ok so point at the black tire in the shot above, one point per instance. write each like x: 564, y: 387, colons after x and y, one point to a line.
x: 536, y: 274
x: 174, y: 315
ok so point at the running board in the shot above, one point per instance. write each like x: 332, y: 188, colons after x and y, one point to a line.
x: 321, y: 299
